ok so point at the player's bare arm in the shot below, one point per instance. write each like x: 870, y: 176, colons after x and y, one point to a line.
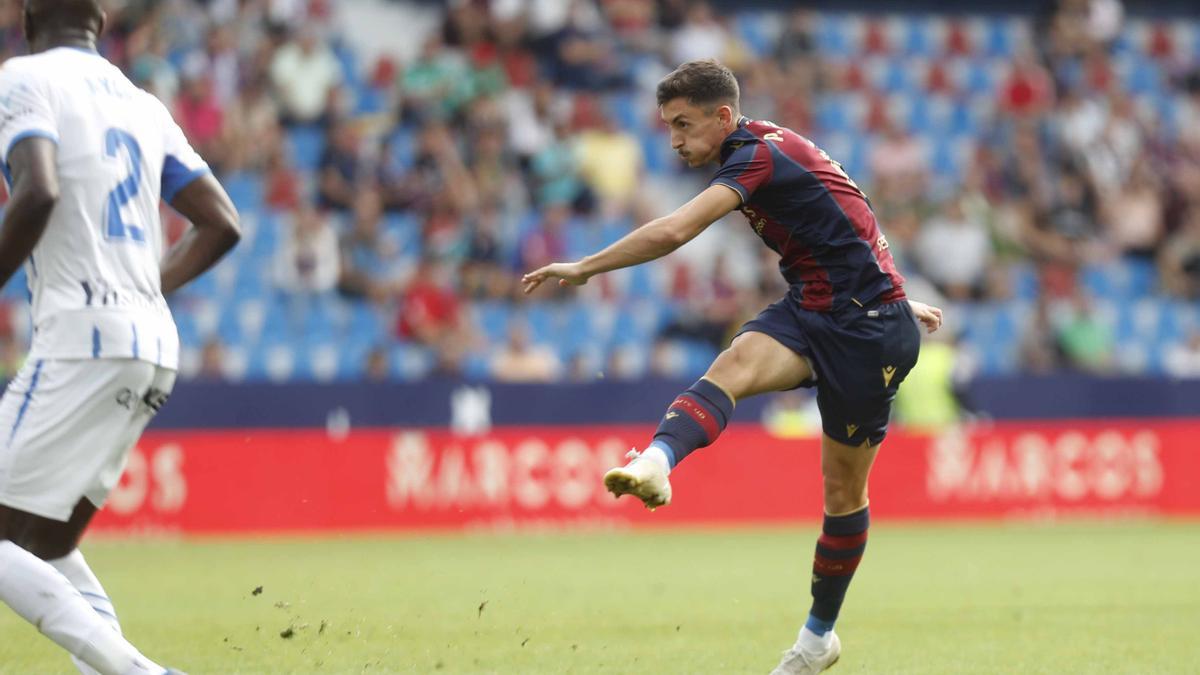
x: 928, y: 315
x: 649, y: 242
x: 32, y: 162
x: 213, y: 233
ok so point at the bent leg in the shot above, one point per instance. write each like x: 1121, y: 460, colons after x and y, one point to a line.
x: 753, y: 364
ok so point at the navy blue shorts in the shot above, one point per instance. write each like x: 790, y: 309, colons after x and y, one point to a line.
x: 859, y: 355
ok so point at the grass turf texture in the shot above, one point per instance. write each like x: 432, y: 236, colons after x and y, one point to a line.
x: 1076, y: 598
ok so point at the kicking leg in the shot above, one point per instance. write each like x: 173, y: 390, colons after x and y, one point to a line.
x: 753, y: 364
x: 42, y: 595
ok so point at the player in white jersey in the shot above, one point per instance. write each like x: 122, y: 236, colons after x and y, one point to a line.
x: 87, y: 158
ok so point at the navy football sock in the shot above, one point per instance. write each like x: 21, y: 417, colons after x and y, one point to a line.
x: 839, y: 550
x: 694, y: 420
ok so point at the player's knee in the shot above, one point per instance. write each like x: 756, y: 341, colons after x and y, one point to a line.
x: 730, y: 373
x: 844, y: 494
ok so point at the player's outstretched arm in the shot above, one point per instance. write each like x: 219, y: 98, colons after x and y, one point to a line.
x: 213, y: 233
x: 32, y: 162
x: 649, y: 242
x: 928, y: 315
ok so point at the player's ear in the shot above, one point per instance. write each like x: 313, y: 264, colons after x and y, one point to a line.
x: 725, y: 114
x: 103, y: 23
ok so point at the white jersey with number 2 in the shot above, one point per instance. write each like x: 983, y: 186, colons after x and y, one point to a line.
x: 94, y: 276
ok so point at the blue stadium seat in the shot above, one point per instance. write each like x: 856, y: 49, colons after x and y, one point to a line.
x: 898, y: 76
x: 539, y: 316
x: 832, y: 35
x: 307, y: 144
x: 921, y: 116
x: 477, y: 366
x: 403, y: 146
x: 185, y: 321
x: 978, y: 78
x: 999, y: 37
x: 1023, y: 281
x: 1143, y: 76
x: 366, y: 323
x: 411, y: 361
x: 758, y: 31
x: 963, y: 121
x: 625, y: 108
x: 491, y: 318
x: 831, y: 114
x: 245, y: 189
x: 17, y: 287
x: 352, y: 357
x: 918, y: 38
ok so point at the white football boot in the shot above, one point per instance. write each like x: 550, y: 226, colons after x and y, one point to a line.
x: 643, y: 478
x: 799, y: 661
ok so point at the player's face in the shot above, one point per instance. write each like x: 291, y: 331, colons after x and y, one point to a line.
x: 696, y: 133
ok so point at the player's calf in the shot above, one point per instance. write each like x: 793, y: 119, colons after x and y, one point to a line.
x: 694, y: 420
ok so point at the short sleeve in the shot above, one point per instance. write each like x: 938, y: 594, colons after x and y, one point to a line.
x: 181, y: 164
x: 746, y: 169
x: 25, y: 110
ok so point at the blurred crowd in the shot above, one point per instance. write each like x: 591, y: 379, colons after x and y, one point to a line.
x: 523, y: 132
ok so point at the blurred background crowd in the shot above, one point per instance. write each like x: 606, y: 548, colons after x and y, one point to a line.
x: 399, y: 165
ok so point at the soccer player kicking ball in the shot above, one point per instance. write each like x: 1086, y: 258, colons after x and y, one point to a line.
x: 845, y: 325
x: 87, y: 157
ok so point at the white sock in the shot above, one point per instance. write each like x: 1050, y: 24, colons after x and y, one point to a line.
x: 45, y: 598
x: 811, y: 642
x: 76, y: 570
x: 657, y: 454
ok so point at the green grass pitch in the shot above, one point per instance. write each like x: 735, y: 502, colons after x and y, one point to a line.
x: 980, y: 598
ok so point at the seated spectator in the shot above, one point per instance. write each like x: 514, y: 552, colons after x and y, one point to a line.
x: 1179, y: 258
x: 201, y: 118
x: 521, y: 361
x: 1134, y: 213
x: 899, y: 164
x: 305, y: 73
x: 554, y: 171
x: 484, y: 274
x: 431, y: 312
x: 378, y: 367
x: 371, y: 267
x: 213, y: 364
x: 610, y: 159
x: 251, y: 131
x: 281, y: 181
x: 342, y: 167
x: 1085, y: 340
x: 1182, y: 359
x: 1028, y: 90
x: 960, y: 275
x: 1039, y: 350
x: 307, y: 262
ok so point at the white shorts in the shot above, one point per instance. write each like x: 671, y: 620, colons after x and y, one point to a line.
x: 67, y: 426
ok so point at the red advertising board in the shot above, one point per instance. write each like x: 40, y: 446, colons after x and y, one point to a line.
x: 281, y: 481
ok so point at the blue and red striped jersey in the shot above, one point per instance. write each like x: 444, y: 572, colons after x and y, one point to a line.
x: 804, y: 206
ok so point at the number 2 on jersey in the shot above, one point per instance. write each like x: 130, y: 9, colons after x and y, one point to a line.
x: 115, y: 228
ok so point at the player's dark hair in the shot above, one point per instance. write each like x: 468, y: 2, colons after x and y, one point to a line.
x: 62, y: 15
x: 705, y: 83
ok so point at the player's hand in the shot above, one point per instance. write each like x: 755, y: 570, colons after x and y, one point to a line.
x: 568, y: 274
x: 929, y: 316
